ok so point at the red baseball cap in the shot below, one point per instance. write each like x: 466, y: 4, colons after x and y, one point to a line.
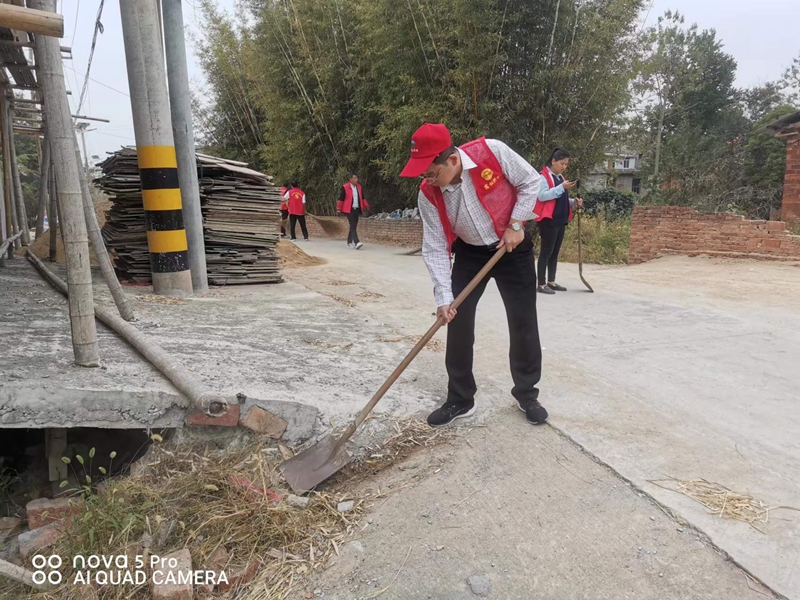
x: 428, y: 142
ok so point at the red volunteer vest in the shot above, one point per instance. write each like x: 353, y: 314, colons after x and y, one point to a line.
x: 296, y: 206
x: 283, y: 202
x: 495, y: 192
x: 544, y: 210
x: 347, y: 205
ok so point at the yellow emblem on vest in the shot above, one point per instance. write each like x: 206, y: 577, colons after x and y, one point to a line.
x: 487, y: 174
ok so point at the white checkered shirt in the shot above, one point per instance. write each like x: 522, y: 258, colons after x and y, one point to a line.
x: 470, y: 221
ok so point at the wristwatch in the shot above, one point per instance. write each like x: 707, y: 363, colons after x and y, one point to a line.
x: 515, y: 226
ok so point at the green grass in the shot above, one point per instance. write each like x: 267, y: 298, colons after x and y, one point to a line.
x: 604, y: 242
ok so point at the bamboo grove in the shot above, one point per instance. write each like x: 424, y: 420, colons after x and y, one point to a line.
x: 312, y: 89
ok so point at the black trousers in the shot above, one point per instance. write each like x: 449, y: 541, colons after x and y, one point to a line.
x: 552, y: 236
x: 293, y: 220
x: 352, y: 218
x: 516, y: 281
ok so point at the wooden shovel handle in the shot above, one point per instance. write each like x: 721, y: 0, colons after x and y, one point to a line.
x: 416, y: 350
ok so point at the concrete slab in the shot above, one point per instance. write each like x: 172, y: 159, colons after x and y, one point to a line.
x: 682, y: 367
x: 517, y: 512
x: 294, y: 351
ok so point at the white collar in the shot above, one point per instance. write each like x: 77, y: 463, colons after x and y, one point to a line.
x: 466, y: 162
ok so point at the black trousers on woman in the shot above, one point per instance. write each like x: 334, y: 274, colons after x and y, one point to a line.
x: 515, y: 278
x: 293, y: 220
x: 552, y: 236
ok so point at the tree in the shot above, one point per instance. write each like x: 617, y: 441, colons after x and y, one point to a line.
x: 690, y: 114
x: 791, y: 82
x: 334, y: 85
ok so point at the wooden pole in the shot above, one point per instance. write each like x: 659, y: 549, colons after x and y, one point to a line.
x: 96, y: 238
x: 158, y: 166
x: 52, y: 214
x: 73, y: 224
x: 8, y: 243
x: 11, y: 570
x: 21, y: 210
x: 8, y: 186
x: 31, y: 20
x: 203, y: 398
x: 44, y: 181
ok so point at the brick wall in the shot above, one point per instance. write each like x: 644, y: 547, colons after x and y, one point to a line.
x: 659, y: 230
x: 390, y: 232
x: 790, y: 207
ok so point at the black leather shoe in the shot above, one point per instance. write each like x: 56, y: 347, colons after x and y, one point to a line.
x: 543, y: 289
x: 556, y: 287
x: 449, y: 412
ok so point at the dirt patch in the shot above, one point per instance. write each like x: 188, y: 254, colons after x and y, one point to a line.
x: 41, y: 246
x: 338, y: 282
x: 294, y: 257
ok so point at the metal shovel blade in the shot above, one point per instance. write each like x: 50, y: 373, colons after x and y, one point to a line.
x: 314, y: 465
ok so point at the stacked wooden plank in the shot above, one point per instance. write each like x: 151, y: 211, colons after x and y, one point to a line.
x: 241, y: 219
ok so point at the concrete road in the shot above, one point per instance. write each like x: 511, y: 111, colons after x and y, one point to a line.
x: 517, y: 512
x: 681, y: 367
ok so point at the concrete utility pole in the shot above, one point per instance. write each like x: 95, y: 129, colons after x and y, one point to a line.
x: 73, y: 225
x: 82, y: 127
x: 158, y: 167
x: 180, y: 105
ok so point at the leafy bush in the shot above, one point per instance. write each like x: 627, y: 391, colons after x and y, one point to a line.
x: 611, y: 203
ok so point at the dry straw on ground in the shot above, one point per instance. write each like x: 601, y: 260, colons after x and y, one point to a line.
x: 201, y: 500
x: 722, y: 501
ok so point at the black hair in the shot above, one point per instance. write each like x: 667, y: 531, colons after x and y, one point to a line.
x: 443, y: 156
x: 558, y: 154
x: 287, y: 183
x: 352, y: 174
x: 294, y: 183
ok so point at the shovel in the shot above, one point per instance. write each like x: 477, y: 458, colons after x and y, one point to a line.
x: 315, y: 464
x: 580, y: 252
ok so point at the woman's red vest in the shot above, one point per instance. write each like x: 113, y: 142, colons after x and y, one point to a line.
x: 544, y: 210
x: 495, y: 192
x: 284, y: 206
x: 346, y: 205
x: 296, y: 206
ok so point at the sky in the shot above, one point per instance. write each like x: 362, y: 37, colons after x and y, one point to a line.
x: 760, y: 58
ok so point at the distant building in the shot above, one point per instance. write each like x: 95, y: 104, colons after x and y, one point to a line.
x: 620, y: 170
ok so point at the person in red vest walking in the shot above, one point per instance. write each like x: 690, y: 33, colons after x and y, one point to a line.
x: 552, y: 213
x: 284, y: 209
x: 296, y: 199
x: 473, y: 200
x: 352, y: 203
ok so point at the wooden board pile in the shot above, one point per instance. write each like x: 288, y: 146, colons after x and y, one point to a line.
x: 241, y: 220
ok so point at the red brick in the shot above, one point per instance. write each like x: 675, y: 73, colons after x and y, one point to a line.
x: 772, y: 243
x: 262, y: 421
x: 240, y: 577
x: 31, y: 542
x: 229, y: 419
x: 44, y: 511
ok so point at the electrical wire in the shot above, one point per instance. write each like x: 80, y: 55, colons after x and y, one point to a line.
x: 99, y: 82
x: 98, y: 28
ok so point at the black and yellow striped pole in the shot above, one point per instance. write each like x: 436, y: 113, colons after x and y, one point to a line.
x: 158, y: 168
